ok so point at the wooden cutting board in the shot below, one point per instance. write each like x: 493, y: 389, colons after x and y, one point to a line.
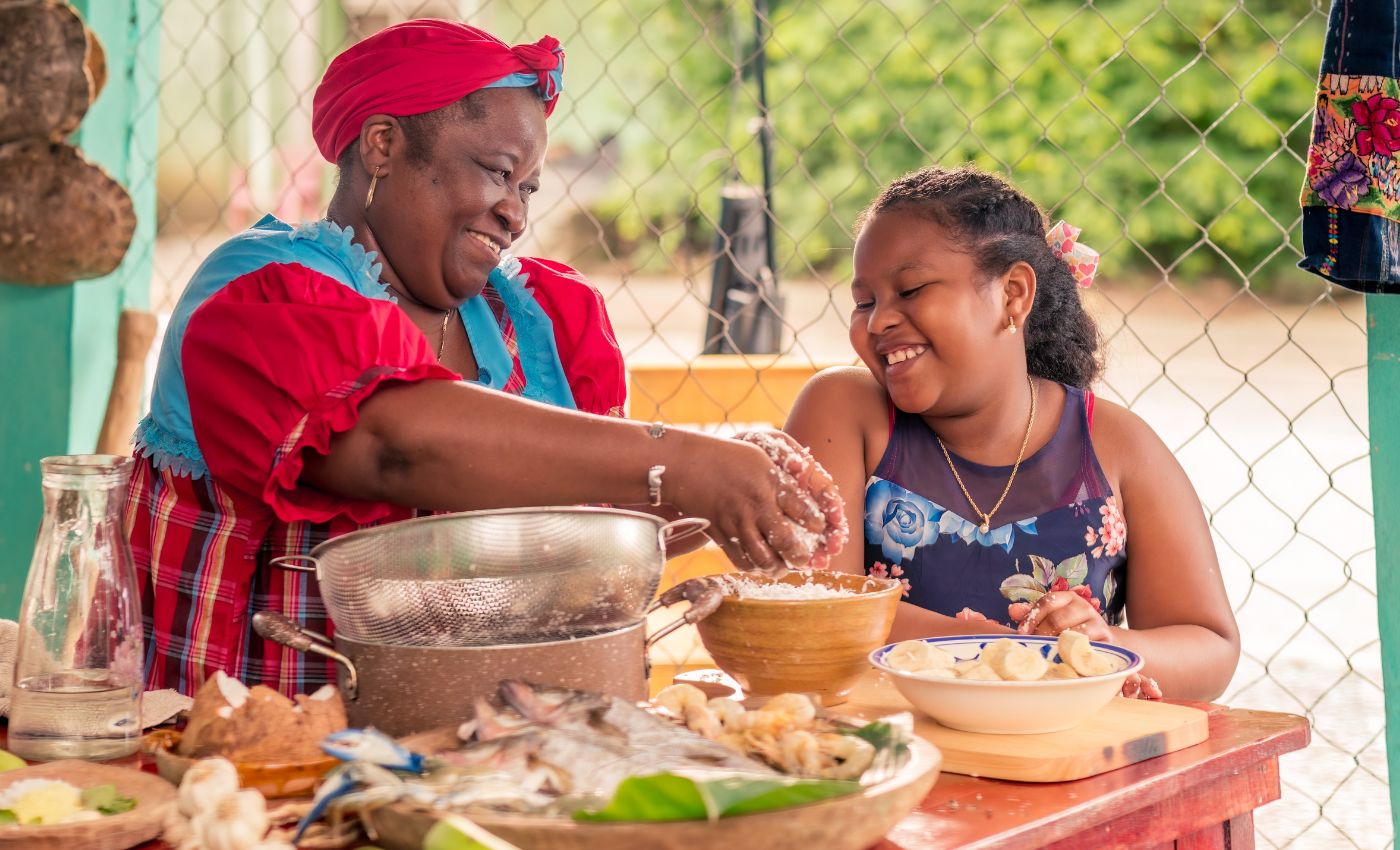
x: 154, y: 799
x: 1122, y: 733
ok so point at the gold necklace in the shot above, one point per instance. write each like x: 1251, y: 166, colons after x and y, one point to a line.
x: 442, y: 340
x: 1025, y: 441
x: 446, y: 315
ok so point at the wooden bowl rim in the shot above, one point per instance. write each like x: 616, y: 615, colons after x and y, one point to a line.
x: 161, y: 744
x: 924, y: 758
x: 152, y: 793
x: 890, y: 588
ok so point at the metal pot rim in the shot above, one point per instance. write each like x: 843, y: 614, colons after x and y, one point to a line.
x: 321, y: 549
x: 641, y: 624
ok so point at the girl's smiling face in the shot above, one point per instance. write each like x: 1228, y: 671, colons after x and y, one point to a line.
x: 927, y: 322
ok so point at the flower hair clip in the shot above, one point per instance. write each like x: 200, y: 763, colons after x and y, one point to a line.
x: 1082, y: 260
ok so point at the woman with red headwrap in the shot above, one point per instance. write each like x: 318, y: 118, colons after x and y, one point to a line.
x: 358, y: 370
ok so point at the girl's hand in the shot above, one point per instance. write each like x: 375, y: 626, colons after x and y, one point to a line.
x: 1064, y: 609
x: 1138, y: 686
x: 1055, y: 612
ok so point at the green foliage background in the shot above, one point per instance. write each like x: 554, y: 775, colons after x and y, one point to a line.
x: 1172, y: 132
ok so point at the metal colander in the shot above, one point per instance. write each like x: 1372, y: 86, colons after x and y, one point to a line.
x: 522, y: 575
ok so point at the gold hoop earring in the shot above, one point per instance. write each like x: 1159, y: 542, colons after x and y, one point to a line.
x: 1011, y: 324
x: 373, y: 181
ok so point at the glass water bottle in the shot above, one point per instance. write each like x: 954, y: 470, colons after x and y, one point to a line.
x: 78, y: 665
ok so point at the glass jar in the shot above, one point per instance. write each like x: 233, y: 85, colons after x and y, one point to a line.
x: 78, y: 662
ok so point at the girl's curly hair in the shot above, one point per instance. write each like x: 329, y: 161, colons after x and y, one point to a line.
x: 999, y: 226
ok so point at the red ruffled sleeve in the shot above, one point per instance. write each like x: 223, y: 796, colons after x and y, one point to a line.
x: 583, y: 334
x: 276, y: 363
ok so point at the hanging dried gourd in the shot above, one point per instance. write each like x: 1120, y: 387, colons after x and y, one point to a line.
x: 51, y: 70
x: 62, y: 218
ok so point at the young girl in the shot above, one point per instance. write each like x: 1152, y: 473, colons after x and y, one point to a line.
x: 996, y: 487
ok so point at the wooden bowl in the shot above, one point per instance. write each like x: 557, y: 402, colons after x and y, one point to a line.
x: 154, y: 800
x: 853, y: 822
x: 273, y: 779
x: 821, y: 646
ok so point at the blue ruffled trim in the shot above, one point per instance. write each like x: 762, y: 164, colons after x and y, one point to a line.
x: 539, y: 355
x: 340, y: 242
x: 168, y: 451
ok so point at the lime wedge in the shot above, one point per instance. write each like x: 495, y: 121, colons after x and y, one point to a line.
x: 10, y: 761
x: 455, y: 832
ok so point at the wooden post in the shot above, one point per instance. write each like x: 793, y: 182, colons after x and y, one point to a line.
x: 59, y: 343
x: 1383, y: 389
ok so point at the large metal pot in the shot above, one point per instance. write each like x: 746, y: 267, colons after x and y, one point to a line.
x: 485, y: 578
x: 407, y: 689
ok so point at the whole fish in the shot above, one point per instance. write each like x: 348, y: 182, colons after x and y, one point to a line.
x: 583, y: 743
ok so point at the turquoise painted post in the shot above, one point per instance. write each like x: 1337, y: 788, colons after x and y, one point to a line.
x: 1383, y: 389
x: 59, y: 342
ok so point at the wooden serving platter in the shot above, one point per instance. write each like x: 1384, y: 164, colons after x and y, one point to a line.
x: 853, y: 822
x: 275, y: 780
x: 1123, y: 732
x: 154, y: 800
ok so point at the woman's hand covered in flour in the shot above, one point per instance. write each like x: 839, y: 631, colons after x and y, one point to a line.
x: 739, y: 489
x: 807, y: 495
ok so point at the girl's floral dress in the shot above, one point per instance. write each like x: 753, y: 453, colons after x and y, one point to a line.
x: 1060, y: 527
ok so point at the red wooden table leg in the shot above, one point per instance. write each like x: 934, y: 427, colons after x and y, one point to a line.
x: 1196, y: 820
x: 1239, y: 832
x: 1210, y: 838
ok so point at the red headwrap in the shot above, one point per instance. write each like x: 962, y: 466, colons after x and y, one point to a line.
x: 416, y: 67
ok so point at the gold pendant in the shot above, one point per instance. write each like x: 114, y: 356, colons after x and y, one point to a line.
x: 984, y: 527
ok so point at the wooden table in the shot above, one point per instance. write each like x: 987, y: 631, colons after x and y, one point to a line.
x: 1199, y: 798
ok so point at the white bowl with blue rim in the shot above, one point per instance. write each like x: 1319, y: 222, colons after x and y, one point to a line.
x: 1010, y: 708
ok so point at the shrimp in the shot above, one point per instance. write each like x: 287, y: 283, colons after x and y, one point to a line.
x: 843, y: 756
x: 796, y: 706
x: 689, y: 703
x: 730, y: 712
x: 800, y: 753
x: 763, y: 746
x: 675, y: 698
x: 765, y: 723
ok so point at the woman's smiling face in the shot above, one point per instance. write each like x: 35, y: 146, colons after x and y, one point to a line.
x: 925, y: 320
x: 442, y: 224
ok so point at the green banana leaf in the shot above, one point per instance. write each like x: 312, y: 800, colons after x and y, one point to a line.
x: 670, y: 796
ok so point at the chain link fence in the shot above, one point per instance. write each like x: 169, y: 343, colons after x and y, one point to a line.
x: 1173, y: 131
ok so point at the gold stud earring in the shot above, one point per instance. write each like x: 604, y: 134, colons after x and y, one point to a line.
x: 1011, y: 324
x: 373, y: 181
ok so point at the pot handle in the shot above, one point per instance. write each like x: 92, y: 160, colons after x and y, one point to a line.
x: 289, y: 562
x: 679, y: 529
x: 704, y: 594
x: 279, y: 629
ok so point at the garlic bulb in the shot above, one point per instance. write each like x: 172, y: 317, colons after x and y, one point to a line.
x: 205, y: 783
x: 236, y: 822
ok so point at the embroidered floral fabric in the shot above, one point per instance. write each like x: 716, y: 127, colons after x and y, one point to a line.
x: 1356, y: 136
x: 1351, y: 191
x: 1060, y: 529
